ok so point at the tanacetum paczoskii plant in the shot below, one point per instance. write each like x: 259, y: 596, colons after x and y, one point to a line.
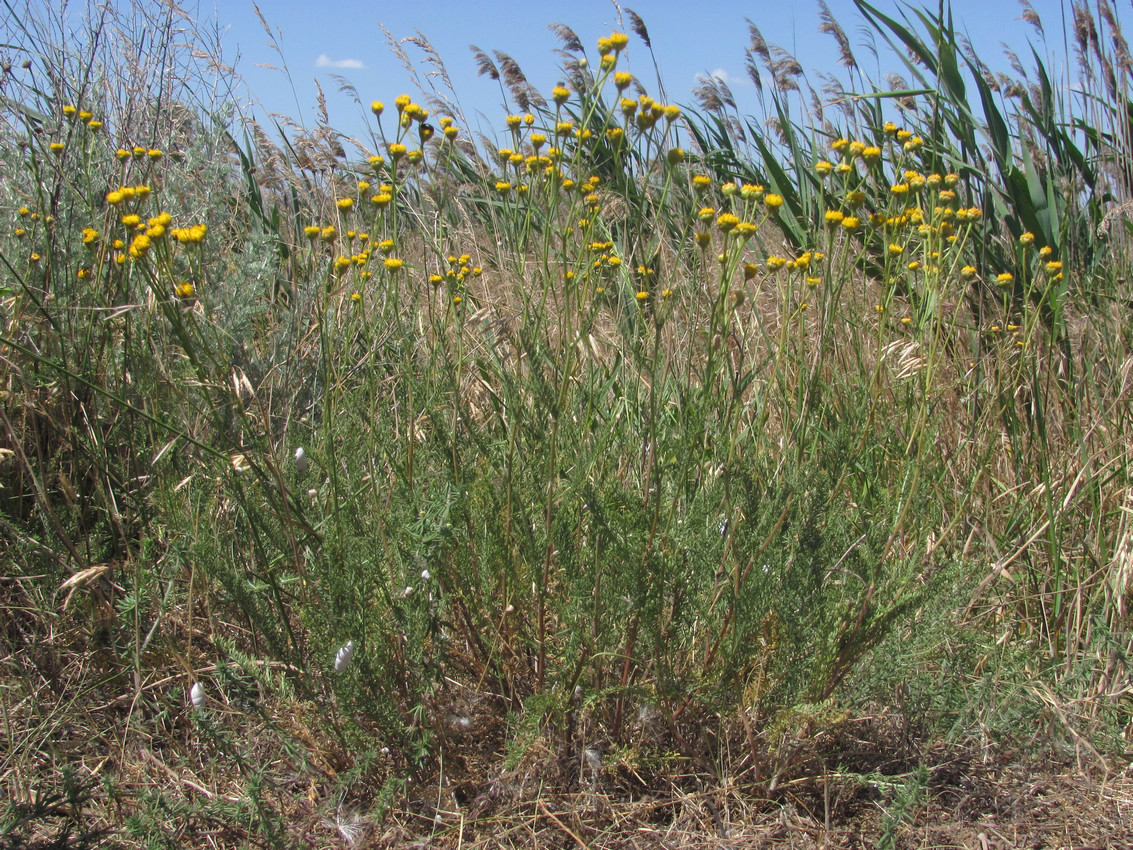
x: 660, y: 433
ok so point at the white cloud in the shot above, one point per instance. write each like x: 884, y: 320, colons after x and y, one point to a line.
x: 352, y: 64
x: 724, y: 77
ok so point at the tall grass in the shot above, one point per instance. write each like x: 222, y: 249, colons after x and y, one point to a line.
x: 633, y: 433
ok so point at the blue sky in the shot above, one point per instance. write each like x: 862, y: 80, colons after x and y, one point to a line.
x: 320, y: 41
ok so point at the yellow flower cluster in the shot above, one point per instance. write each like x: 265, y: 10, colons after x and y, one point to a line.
x: 193, y: 234
x: 127, y: 194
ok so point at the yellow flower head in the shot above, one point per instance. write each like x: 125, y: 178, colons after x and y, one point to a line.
x: 393, y: 263
x: 1004, y: 278
x: 727, y: 222
x: 139, y: 246
x: 377, y: 107
x: 773, y: 201
x: 560, y: 94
